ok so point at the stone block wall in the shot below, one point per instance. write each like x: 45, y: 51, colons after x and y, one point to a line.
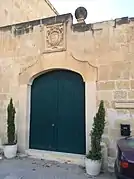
x: 115, y: 85
x: 12, y: 12
x: 107, y: 47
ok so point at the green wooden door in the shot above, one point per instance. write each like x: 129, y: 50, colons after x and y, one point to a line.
x: 58, y: 112
x: 43, y: 112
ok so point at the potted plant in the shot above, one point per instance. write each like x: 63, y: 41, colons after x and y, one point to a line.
x: 10, y: 149
x: 94, y: 157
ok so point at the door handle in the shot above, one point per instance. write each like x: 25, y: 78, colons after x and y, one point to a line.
x: 52, y: 125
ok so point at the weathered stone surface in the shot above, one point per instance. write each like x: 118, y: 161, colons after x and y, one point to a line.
x: 130, y: 94
x: 107, y: 85
x: 3, y: 96
x: 21, y: 11
x: 120, y: 70
x: 111, y: 162
x: 104, y: 72
x: 106, y: 130
x: 105, y: 139
x: 124, y: 105
x: 132, y: 132
x: 132, y: 84
x: 114, y: 133
x: 119, y: 95
x: 105, y: 95
x: 112, y: 152
x: 132, y: 68
x: 122, y: 85
x: 107, y: 104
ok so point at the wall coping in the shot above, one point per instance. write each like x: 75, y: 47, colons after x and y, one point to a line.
x: 64, y: 18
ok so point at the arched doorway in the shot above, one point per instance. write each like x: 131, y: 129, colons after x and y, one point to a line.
x: 57, y: 119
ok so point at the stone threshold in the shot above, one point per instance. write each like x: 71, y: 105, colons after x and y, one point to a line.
x: 57, y: 156
x: 64, y: 158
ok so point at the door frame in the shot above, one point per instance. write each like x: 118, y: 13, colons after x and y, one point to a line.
x: 23, y: 123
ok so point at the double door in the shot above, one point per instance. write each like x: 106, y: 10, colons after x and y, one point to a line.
x: 58, y: 112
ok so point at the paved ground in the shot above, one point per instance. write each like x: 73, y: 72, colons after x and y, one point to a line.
x: 24, y: 168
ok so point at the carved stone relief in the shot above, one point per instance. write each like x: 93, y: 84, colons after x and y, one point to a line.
x: 55, y: 38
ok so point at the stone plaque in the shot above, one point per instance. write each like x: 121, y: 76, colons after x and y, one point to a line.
x: 55, y: 38
x: 124, y: 105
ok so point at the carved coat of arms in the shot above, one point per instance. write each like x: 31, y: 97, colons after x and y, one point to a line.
x: 55, y: 38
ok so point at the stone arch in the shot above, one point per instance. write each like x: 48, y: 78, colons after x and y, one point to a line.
x: 52, y: 69
x: 43, y: 64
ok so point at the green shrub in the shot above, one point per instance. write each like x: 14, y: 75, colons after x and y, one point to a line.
x: 96, y: 133
x: 10, y: 123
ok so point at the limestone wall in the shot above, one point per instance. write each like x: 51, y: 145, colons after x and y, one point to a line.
x: 107, y: 47
x: 16, y: 11
x: 110, y: 47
